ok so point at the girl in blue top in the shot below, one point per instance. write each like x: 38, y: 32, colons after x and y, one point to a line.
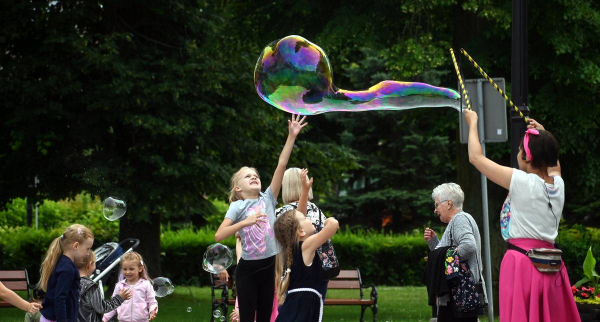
x: 59, y: 276
x: 252, y: 214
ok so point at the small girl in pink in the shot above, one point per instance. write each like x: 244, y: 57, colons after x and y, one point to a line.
x: 142, y: 306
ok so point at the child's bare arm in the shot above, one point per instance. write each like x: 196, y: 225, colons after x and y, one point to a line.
x: 14, y: 299
x: 306, y: 185
x: 313, y: 242
x: 228, y: 228
x: 294, y: 127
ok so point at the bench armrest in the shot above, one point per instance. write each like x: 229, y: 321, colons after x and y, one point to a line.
x: 373, y: 291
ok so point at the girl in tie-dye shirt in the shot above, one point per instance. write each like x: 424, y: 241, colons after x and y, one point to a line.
x: 252, y: 214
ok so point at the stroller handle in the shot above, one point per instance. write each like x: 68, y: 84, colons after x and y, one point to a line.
x: 133, y: 241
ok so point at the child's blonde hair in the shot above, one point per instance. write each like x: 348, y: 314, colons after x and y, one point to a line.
x: 90, y: 258
x: 137, y: 258
x: 286, y: 227
x: 74, y: 234
x: 233, y: 183
x: 291, y: 186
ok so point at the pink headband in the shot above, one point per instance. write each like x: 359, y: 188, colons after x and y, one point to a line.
x: 526, y: 142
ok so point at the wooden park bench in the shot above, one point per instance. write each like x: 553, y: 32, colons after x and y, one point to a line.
x: 348, y: 279
x: 16, y: 280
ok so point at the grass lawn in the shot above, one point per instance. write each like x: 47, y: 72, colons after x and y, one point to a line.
x: 395, y: 304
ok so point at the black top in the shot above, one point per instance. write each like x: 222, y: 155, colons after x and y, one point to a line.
x: 302, y: 306
x: 434, y: 276
x: 62, y: 296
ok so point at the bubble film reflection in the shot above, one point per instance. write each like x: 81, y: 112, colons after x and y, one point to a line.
x: 163, y: 286
x: 295, y: 76
x: 113, y: 208
x: 217, y: 258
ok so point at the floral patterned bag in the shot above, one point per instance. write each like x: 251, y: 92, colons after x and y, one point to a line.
x: 467, y: 297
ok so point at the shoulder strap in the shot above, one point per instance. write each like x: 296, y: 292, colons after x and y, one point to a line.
x: 476, y: 255
x: 321, y: 215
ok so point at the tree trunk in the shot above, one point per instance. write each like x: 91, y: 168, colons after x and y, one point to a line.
x: 148, y: 232
x: 29, y: 209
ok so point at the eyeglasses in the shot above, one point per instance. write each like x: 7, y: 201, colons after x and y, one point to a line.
x: 435, y: 205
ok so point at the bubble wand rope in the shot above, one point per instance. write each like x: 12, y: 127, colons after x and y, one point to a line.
x: 460, y: 80
x: 485, y: 75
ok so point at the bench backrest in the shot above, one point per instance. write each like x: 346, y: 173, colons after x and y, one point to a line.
x: 347, y: 279
x: 16, y: 280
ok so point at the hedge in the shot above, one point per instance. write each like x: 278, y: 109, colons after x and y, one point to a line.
x: 384, y: 259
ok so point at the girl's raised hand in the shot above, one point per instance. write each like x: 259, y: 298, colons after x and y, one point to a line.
x: 533, y: 124
x: 306, y: 184
x: 296, y: 124
x: 470, y: 117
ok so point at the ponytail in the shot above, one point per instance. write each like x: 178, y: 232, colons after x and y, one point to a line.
x: 286, y: 228
x: 54, y: 252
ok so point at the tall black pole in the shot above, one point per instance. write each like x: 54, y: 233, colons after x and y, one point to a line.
x: 519, y: 73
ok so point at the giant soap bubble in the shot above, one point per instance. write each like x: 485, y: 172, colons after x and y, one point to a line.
x: 163, y: 286
x: 113, y: 208
x: 295, y: 76
x: 217, y: 258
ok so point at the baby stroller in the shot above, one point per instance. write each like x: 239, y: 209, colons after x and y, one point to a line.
x: 108, y: 256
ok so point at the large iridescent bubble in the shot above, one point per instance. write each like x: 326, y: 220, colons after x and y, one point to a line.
x: 295, y: 76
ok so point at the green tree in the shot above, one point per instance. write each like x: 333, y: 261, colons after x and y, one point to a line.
x: 147, y: 101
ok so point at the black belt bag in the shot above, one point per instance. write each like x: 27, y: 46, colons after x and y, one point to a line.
x: 546, y: 260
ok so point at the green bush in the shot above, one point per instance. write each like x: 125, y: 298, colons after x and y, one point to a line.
x: 182, y: 252
x: 83, y: 209
x: 25, y: 248
x: 383, y: 259
x: 575, y: 242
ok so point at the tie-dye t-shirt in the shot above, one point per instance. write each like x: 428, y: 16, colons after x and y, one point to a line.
x: 258, y: 242
x: 525, y: 213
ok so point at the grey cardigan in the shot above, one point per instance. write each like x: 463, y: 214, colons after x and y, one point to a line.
x: 91, y: 304
x: 465, y: 237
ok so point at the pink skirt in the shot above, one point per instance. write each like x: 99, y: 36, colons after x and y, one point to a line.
x: 529, y: 295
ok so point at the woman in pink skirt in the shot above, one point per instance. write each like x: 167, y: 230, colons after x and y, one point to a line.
x: 529, y: 219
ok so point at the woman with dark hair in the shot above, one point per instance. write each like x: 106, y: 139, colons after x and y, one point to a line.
x: 529, y: 220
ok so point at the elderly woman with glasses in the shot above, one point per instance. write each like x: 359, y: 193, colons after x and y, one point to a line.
x: 462, y: 233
